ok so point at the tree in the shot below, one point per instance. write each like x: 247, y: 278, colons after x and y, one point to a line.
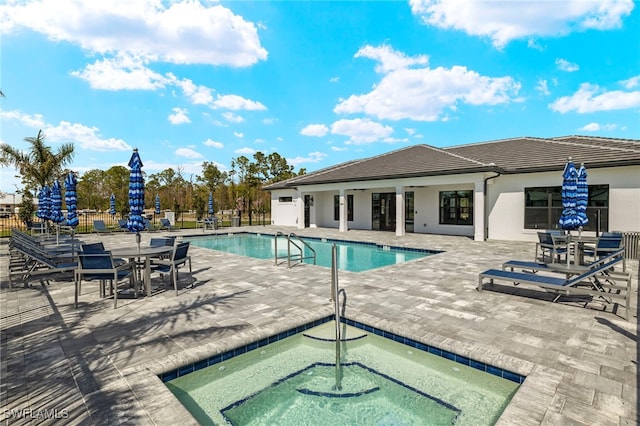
x: 27, y: 209
x: 39, y: 166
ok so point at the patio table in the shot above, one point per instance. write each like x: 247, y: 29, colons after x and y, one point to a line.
x: 146, y: 253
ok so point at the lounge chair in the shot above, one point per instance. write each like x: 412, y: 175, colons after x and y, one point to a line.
x: 33, y: 260
x: 209, y: 222
x: 534, y: 267
x: 599, y: 280
x: 99, y: 226
x: 148, y: 226
x: 166, y: 224
x: 179, y: 257
x: 101, y: 267
x: 122, y: 225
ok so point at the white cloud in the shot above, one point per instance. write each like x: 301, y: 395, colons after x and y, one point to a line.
x: 269, y: 121
x: 361, y: 131
x: 389, y: 59
x: 315, y: 130
x: 410, y: 131
x: 181, y: 32
x: 334, y: 80
x: 589, y: 98
x: 123, y: 72
x: 231, y: 117
x: 86, y: 137
x: 423, y: 94
x: 594, y: 127
x: 235, y: 102
x: 312, y: 157
x: 211, y: 142
x: 543, y: 87
x: 338, y: 148
x: 179, y: 116
x: 198, y: 95
x: 188, y: 153
x: 238, y: 135
x: 565, y: 65
x: 505, y: 21
x: 245, y: 151
x: 36, y: 121
x: 631, y: 83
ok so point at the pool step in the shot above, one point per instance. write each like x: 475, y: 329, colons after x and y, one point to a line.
x: 327, y: 332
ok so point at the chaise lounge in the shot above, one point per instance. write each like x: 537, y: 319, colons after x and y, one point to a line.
x: 599, y: 280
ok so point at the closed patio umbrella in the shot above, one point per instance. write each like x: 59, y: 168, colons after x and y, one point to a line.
x: 136, y: 195
x: 44, y: 205
x: 157, y: 204
x: 72, y: 205
x: 56, y: 215
x: 210, y: 210
x: 569, y: 217
x: 582, y: 197
x: 112, y: 204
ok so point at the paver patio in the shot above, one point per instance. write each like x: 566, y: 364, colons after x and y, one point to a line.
x: 97, y: 365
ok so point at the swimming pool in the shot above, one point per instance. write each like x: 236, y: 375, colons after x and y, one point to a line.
x: 291, y: 381
x: 352, y: 256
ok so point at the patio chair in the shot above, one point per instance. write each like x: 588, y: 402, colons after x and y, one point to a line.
x: 179, y: 257
x: 96, y: 248
x: 101, y: 267
x: 535, y: 267
x: 148, y: 226
x: 607, y: 243
x: 162, y: 241
x: 122, y: 225
x: 552, y: 244
x: 99, y: 226
x: 210, y: 222
x: 614, y: 285
x: 166, y: 224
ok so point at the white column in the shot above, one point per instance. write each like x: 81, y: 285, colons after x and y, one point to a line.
x: 300, y: 210
x: 400, y: 225
x: 343, y: 212
x: 478, y: 211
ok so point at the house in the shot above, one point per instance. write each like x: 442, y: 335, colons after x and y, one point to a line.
x: 9, y: 204
x: 505, y: 189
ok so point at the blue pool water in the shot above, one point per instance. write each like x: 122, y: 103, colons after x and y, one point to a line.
x: 352, y: 256
x: 384, y: 381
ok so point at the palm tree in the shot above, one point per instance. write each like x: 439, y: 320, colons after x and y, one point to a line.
x: 40, y: 165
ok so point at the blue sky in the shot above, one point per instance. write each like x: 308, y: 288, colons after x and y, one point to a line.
x: 318, y: 82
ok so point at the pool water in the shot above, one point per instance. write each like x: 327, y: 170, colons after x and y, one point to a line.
x: 353, y: 257
x: 292, y: 382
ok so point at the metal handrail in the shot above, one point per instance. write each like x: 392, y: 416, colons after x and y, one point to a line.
x: 336, y: 301
x: 299, y: 257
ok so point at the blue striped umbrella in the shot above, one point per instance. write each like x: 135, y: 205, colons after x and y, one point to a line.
x: 569, y: 217
x: 210, y: 203
x: 112, y: 204
x: 44, y: 203
x: 157, y: 204
x: 56, y: 215
x: 582, y: 197
x: 136, y: 194
x: 71, y: 200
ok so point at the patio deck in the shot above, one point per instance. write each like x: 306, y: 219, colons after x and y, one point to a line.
x: 97, y: 365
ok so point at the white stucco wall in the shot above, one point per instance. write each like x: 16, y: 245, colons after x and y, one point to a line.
x: 504, y: 202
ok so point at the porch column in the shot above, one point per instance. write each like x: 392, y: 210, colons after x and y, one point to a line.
x: 400, y: 225
x: 300, y: 211
x: 343, y: 212
x: 478, y: 211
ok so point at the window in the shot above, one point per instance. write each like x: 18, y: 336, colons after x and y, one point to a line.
x: 285, y: 199
x: 543, y: 207
x: 336, y: 207
x: 456, y: 207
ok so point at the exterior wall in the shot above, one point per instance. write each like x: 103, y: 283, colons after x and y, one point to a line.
x: 505, y: 201
x: 284, y: 214
x: 504, y: 204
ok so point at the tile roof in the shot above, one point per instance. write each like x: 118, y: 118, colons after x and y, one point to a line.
x: 517, y: 155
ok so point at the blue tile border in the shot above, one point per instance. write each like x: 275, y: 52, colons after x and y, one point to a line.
x: 215, y: 359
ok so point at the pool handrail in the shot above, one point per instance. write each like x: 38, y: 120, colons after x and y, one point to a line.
x: 300, y: 258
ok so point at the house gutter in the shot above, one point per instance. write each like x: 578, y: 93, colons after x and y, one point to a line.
x: 486, y: 213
